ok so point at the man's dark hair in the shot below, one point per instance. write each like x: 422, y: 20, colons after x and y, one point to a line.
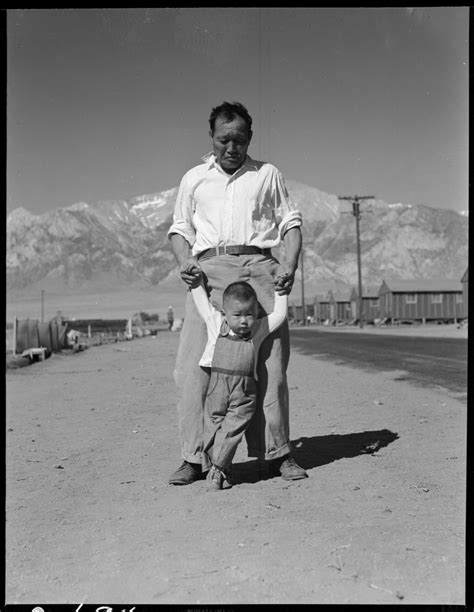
x: 241, y: 291
x: 229, y: 111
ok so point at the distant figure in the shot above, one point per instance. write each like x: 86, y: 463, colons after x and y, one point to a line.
x: 170, y: 316
x: 73, y: 337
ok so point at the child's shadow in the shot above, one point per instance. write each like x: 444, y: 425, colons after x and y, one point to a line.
x: 317, y: 451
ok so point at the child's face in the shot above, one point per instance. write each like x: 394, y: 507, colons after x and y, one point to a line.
x: 240, y: 316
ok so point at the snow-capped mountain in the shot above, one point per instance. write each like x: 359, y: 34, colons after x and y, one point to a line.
x: 123, y: 243
x: 154, y: 209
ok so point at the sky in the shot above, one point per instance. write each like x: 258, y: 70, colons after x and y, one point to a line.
x: 113, y: 103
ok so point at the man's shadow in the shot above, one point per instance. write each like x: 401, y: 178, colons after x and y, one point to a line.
x: 318, y: 450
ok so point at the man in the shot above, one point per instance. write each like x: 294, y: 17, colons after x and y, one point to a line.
x: 170, y: 317
x: 230, y: 211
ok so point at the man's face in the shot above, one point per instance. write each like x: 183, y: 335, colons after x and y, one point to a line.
x: 230, y: 142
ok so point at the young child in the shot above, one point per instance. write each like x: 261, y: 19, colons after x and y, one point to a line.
x: 234, y: 339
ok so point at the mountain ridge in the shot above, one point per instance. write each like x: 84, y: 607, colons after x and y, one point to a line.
x: 113, y: 243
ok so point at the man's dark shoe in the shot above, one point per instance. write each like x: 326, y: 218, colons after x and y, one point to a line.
x: 288, y: 468
x: 186, y: 474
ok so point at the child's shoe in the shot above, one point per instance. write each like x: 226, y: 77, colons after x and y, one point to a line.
x: 217, y: 479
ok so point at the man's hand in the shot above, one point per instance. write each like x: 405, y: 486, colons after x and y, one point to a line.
x: 284, y: 282
x: 191, y: 273
x: 286, y: 277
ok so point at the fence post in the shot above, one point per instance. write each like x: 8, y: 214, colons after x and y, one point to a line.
x: 14, y: 334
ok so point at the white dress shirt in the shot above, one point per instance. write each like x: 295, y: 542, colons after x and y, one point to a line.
x: 249, y: 207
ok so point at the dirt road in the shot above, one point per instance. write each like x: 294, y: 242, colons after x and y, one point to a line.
x: 92, y: 438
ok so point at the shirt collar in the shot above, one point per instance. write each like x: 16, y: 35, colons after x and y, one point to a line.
x: 226, y: 331
x: 210, y: 159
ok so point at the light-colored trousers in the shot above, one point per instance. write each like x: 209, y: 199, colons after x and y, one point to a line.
x: 268, y: 434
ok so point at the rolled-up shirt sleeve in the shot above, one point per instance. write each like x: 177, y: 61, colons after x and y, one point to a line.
x: 286, y: 214
x: 183, y: 212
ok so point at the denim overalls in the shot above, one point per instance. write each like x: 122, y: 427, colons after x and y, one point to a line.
x: 231, y: 398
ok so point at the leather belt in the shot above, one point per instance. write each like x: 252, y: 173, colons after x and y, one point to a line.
x: 233, y: 250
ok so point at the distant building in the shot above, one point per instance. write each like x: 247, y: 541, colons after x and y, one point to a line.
x: 340, y: 306
x: 370, y: 303
x: 317, y: 309
x: 421, y: 300
x: 321, y: 308
x: 295, y: 310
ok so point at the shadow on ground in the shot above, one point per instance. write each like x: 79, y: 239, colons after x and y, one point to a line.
x: 318, y: 450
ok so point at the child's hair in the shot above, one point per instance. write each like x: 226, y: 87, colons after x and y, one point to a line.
x: 241, y: 291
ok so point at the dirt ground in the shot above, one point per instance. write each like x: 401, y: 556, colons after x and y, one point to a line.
x: 92, y: 438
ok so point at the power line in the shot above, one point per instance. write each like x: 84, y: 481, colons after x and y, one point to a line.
x: 355, y: 199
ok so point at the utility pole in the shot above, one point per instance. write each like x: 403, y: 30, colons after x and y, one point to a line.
x: 303, y: 307
x: 356, y: 212
x: 42, y: 305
